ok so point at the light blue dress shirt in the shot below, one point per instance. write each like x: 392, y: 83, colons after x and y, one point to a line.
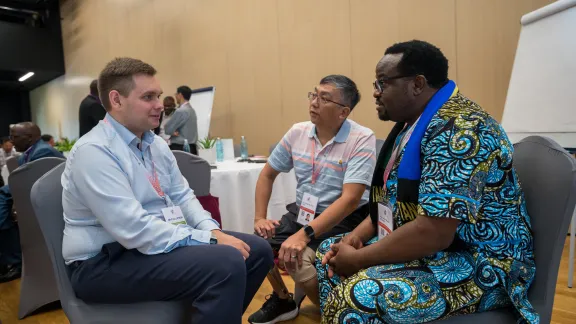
x: 108, y: 197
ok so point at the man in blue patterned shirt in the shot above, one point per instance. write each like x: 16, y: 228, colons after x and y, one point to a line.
x: 448, y: 231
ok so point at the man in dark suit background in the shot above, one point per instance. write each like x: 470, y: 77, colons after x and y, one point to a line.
x: 27, y: 139
x: 91, y: 110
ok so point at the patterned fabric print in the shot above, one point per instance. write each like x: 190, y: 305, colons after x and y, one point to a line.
x: 467, y: 174
x: 397, y: 293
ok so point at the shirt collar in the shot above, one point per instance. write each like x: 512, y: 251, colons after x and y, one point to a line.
x: 127, y: 136
x: 342, y: 134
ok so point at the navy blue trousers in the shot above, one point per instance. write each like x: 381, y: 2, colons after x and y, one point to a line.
x: 215, y: 278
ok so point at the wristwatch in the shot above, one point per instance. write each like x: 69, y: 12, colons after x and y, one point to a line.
x: 213, y: 239
x: 309, y: 232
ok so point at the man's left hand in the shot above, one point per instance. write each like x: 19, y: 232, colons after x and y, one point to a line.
x: 291, y: 250
x: 344, y: 263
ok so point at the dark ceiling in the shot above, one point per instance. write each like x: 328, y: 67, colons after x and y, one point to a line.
x: 30, y: 30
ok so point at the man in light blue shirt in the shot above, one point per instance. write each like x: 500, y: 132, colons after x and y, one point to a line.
x: 134, y: 231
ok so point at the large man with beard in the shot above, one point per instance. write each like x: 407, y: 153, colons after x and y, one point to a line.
x: 448, y: 232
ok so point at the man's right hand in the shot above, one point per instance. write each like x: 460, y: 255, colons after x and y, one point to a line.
x: 265, y: 227
x: 229, y: 240
x: 353, y: 240
x: 350, y: 239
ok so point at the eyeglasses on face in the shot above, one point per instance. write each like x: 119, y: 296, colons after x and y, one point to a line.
x: 379, y: 84
x: 322, y: 100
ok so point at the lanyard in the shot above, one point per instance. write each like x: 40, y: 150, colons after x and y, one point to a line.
x: 152, y: 178
x: 396, y: 153
x: 315, y: 172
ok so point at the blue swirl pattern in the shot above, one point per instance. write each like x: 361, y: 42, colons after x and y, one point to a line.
x: 467, y: 174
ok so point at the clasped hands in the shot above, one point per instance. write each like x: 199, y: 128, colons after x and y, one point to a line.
x: 342, y: 259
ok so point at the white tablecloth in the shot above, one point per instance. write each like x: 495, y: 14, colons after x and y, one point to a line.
x: 235, y: 185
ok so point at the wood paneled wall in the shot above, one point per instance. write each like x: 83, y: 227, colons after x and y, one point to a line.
x: 263, y: 56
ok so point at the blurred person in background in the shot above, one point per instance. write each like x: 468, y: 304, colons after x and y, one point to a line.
x: 183, y: 123
x: 48, y: 139
x: 169, y: 108
x: 91, y: 110
x: 27, y: 139
x: 6, y: 151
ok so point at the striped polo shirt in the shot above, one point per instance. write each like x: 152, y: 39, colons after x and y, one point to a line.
x: 349, y: 157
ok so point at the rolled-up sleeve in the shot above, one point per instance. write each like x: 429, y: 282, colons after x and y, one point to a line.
x: 104, y: 188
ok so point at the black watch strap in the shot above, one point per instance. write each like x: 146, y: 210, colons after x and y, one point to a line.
x: 309, y: 232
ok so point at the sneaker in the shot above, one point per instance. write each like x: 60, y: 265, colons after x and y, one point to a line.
x: 275, y: 310
x: 10, y: 273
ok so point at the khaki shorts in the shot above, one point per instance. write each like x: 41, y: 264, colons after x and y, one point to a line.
x: 307, y: 271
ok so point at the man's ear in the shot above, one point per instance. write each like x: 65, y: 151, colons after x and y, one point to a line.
x: 114, y: 97
x: 345, y: 113
x: 420, y: 83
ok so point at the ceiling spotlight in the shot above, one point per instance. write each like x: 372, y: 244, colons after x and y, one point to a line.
x: 26, y: 76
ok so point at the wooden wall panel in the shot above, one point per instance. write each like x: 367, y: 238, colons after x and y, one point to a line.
x: 314, y: 42
x: 487, y: 36
x: 254, y: 59
x: 376, y: 25
x: 264, y: 56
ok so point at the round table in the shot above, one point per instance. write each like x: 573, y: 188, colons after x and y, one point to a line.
x: 234, y: 183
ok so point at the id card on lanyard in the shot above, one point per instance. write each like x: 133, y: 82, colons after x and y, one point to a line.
x: 309, y: 202
x: 385, y: 210
x: 172, y: 214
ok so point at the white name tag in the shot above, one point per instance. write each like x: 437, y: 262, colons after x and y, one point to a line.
x: 173, y: 215
x: 307, y: 209
x: 385, y: 220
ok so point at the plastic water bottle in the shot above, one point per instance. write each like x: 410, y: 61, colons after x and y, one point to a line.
x: 186, y: 147
x: 219, y: 150
x: 243, y: 149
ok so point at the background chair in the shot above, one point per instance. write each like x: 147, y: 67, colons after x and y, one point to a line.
x: 46, y: 199
x: 12, y: 163
x: 38, y: 286
x: 197, y: 172
x: 548, y: 177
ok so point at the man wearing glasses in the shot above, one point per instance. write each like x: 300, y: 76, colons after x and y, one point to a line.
x: 333, y: 159
x: 448, y: 231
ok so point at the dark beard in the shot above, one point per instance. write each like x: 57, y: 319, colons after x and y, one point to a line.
x: 384, y: 116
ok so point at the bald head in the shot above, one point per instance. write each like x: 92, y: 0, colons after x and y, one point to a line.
x: 25, y: 135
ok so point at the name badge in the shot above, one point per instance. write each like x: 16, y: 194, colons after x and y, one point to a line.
x: 307, y: 209
x: 173, y: 215
x: 385, y: 220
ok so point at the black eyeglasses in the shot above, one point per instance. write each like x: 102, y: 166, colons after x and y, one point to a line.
x: 314, y: 95
x: 379, y: 84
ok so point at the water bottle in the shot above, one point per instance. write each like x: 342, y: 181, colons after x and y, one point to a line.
x: 219, y: 150
x: 243, y: 149
x: 186, y: 147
